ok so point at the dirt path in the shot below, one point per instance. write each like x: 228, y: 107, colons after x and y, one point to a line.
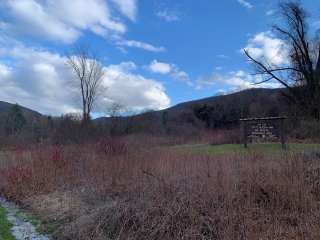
x: 21, y: 229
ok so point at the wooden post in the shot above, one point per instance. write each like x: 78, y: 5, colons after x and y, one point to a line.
x: 282, y: 134
x: 244, y: 133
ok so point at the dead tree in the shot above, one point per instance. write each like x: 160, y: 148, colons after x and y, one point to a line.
x: 89, y: 72
x: 115, y: 111
x: 301, y: 76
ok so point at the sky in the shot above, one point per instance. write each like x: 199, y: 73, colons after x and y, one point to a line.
x: 155, y: 53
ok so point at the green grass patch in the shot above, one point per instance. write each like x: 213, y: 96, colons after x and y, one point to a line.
x: 239, y: 148
x: 5, y: 226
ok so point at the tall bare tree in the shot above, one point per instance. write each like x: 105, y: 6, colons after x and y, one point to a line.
x: 301, y: 76
x: 89, y: 72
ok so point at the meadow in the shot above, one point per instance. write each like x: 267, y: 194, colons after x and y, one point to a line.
x: 267, y: 148
x: 147, y: 188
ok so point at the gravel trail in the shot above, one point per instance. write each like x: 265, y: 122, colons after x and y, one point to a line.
x: 21, y: 229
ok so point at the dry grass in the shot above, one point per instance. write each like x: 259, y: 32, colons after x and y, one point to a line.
x: 116, y: 190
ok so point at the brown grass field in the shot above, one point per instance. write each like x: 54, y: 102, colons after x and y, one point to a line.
x: 125, y: 189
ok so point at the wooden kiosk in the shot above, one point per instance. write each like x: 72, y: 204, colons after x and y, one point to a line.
x: 269, y: 129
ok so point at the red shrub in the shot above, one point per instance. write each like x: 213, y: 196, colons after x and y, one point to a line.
x: 57, y: 158
x: 17, y: 178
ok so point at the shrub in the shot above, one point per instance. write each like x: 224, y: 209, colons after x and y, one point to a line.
x: 158, y: 193
x: 308, y: 130
x: 225, y: 137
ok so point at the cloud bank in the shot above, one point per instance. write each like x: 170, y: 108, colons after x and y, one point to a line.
x: 41, y: 80
x: 61, y: 21
x: 266, y: 47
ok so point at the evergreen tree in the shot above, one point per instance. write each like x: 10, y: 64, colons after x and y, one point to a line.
x: 15, y: 120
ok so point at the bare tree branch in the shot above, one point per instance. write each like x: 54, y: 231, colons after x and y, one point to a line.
x: 89, y: 72
x: 303, y: 70
x: 266, y: 70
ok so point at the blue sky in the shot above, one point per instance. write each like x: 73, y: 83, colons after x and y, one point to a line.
x: 156, y: 53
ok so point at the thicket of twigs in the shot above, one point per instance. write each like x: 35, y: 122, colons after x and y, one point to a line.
x: 115, y: 189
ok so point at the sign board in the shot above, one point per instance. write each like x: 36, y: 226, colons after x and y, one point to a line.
x: 257, y: 130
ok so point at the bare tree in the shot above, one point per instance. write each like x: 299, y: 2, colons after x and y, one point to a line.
x: 301, y: 76
x: 89, y: 72
x: 115, y: 111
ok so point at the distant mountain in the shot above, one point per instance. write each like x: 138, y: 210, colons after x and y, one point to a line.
x: 28, y: 113
x: 245, y: 97
x: 220, y: 111
x: 189, y: 117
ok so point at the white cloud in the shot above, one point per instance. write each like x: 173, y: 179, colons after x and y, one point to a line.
x: 168, y: 16
x: 264, y: 46
x: 160, y: 67
x: 209, y: 80
x: 127, y: 8
x: 4, y: 71
x: 38, y: 80
x: 221, y: 92
x: 181, y: 76
x: 133, y: 91
x: 169, y: 69
x: 233, y: 81
x: 245, y: 4
x: 41, y: 80
x: 140, y: 45
x: 64, y: 21
x: 270, y: 12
